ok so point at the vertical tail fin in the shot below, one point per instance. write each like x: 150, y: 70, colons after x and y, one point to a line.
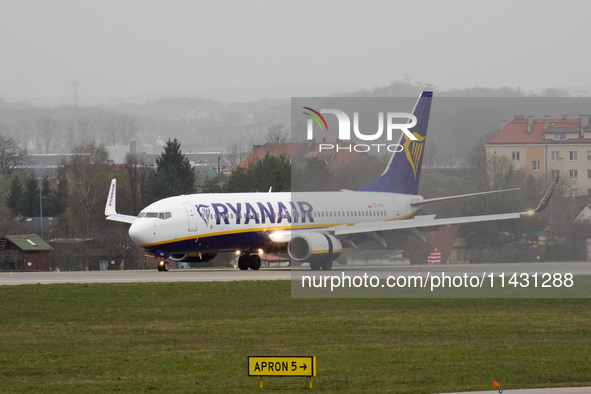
x: 403, y: 172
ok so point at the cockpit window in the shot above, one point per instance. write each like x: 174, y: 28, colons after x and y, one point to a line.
x: 159, y: 215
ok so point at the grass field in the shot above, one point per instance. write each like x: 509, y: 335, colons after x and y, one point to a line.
x: 195, y: 337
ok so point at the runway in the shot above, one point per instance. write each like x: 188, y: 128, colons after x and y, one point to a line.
x: 181, y: 275
x: 556, y: 390
x: 229, y: 274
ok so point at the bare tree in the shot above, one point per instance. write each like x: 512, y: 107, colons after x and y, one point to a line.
x: 277, y: 133
x: 87, y: 179
x: 137, y: 173
x: 48, y: 133
x: 120, y: 127
x: 84, y: 127
x: 236, y: 154
x: 11, y: 155
x: 24, y: 133
x: 70, y: 128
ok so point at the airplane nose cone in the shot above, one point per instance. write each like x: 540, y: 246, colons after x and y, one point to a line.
x: 139, y: 232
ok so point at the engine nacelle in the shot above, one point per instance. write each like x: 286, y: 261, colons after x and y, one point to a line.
x: 192, y: 257
x: 314, y: 248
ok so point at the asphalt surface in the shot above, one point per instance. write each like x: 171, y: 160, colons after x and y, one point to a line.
x: 564, y: 390
x: 229, y: 274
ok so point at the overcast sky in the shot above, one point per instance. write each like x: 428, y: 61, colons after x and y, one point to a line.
x: 121, y: 48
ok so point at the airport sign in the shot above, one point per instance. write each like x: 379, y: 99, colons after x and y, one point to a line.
x: 282, y: 366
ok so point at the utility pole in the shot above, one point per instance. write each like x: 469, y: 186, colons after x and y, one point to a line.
x: 41, y: 208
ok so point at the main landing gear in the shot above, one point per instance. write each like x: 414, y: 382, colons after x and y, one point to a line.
x: 163, y: 265
x: 247, y: 260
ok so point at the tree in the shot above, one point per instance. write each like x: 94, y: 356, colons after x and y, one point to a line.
x: 174, y: 174
x: 61, y: 192
x: 48, y: 133
x: 316, y: 175
x: 271, y: 171
x: 120, y: 127
x: 277, y: 134
x: 137, y: 174
x: 88, y: 178
x: 236, y: 154
x: 494, y: 173
x: 11, y: 155
x: 31, y: 197
x: 14, y: 200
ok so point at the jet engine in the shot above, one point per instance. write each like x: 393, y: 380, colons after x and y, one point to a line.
x: 315, y: 248
x: 192, y: 257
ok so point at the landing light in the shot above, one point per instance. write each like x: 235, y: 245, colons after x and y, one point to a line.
x: 237, y: 253
x: 161, y: 262
x: 530, y: 212
x: 261, y: 251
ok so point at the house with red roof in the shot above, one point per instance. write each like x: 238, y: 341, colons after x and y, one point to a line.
x: 297, y: 151
x: 548, y: 148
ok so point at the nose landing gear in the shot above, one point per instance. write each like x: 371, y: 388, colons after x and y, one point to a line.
x: 163, y: 265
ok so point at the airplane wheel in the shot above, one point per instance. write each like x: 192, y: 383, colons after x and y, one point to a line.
x: 243, y: 262
x: 166, y: 267
x: 254, y: 262
x: 159, y: 268
x: 327, y: 265
x: 314, y: 266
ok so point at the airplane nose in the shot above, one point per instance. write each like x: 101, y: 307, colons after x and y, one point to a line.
x: 139, y: 232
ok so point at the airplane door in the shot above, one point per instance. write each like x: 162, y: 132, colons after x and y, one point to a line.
x: 192, y: 214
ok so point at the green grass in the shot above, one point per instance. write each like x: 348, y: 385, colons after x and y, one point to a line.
x: 195, y: 337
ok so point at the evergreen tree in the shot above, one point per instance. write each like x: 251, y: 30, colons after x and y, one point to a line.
x: 31, y: 197
x: 271, y: 171
x: 47, y: 197
x: 174, y: 174
x: 14, y: 200
x: 61, y: 193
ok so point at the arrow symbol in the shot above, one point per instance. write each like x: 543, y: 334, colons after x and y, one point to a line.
x: 304, y: 366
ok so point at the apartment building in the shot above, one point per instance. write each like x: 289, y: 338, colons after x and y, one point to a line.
x: 548, y: 148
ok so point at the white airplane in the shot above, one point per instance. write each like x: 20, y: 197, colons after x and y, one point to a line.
x: 312, y: 226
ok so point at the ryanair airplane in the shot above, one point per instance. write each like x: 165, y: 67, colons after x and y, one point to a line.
x: 312, y: 227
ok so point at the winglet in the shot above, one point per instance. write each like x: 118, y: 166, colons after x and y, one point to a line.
x: 546, y: 199
x: 544, y: 203
x: 110, y: 208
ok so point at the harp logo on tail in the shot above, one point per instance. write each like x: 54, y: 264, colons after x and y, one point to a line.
x: 414, y: 151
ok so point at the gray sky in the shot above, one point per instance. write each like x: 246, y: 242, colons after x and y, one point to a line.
x: 120, y: 48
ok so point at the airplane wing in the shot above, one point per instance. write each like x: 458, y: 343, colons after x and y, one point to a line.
x: 423, y: 221
x: 439, y: 199
x: 426, y: 221
x: 110, y: 207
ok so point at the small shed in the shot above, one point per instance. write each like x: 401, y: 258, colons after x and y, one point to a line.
x: 34, y: 250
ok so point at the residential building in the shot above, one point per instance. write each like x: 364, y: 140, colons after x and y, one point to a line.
x: 548, y: 148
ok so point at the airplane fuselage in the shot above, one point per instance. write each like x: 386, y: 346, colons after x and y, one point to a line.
x: 209, y: 223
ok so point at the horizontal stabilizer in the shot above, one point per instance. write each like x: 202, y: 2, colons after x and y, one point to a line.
x: 122, y: 218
